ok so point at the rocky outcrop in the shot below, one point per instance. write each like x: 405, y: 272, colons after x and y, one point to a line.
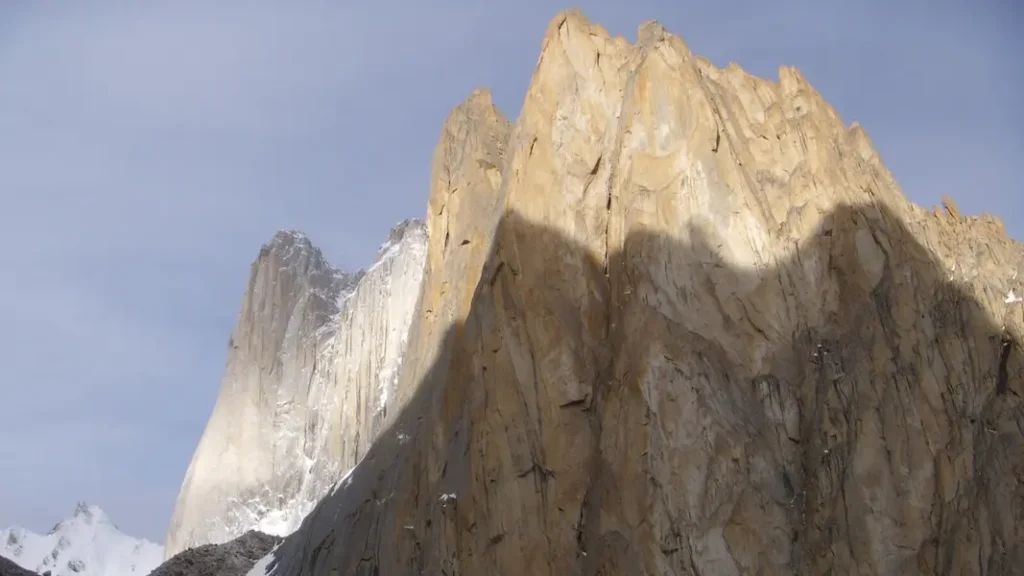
x: 9, y: 568
x: 233, y: 558
x: 311, y: 364
x: 682, y: 320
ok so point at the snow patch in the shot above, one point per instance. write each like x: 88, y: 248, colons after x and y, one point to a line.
x: 1012, y: 298
x: 280, y: 522
x: 262, y: 567
x: 345, y: 480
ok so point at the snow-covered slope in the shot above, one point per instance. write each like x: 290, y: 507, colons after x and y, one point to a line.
x: 86, y: 544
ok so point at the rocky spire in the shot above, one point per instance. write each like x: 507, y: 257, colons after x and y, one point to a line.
x: 697, y: 329
x: 311, y: 361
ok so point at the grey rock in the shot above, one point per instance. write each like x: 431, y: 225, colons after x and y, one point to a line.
x: 9, y: 568
x: 233, y: 558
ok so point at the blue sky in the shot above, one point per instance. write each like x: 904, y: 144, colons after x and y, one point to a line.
x: 147, y: 150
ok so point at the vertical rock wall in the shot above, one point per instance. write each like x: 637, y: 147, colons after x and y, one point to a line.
x: 311, y: 369
x: 694, y: 328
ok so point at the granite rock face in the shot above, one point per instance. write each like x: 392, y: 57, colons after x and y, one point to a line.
x: 311, y: 364
x: 682, y: 320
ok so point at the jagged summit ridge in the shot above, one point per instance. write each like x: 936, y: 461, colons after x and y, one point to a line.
x: 288, y: 245
x: 682, y: 320
x: 289, y: 236
x: 86, y: 513
x: 399, y: 231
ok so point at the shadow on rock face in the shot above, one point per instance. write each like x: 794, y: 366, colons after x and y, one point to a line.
x: 671, y: 412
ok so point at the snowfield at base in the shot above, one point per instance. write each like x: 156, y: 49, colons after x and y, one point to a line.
x: 86, y: 544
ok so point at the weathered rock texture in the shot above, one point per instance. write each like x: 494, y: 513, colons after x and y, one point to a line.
x: 681, y: 320
x: 233, y: 558
x: 311, y: 365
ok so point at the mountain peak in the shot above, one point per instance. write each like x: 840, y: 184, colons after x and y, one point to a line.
x: 399, y: 232
x: 90, y: 514
x: 87, y: 543
x: 292, y: 250
x: 481, y: 96
x: 287, y: 242
x: 84, y: 515
x: 289, y: 236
